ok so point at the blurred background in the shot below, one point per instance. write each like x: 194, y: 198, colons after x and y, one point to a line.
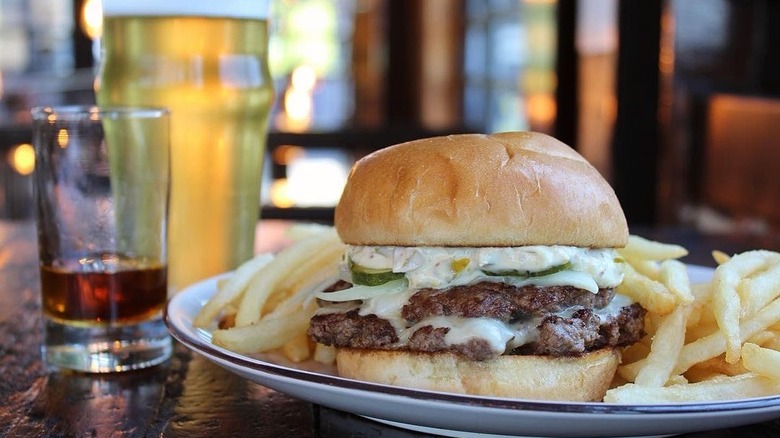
x: 676, y: 102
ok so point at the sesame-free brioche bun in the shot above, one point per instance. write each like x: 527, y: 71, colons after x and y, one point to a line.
x: 577, y: 378
x: 507, y: 189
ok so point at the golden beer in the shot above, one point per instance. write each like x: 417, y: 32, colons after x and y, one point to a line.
x: 211, y: 71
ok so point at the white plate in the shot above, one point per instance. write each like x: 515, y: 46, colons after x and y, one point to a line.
x: 454, y: 414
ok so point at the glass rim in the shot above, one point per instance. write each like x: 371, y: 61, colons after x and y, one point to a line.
x: 95, y: 112
x: 240, y: 9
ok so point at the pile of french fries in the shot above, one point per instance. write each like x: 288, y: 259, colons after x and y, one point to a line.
x: 265, y: 305
x: 714, y: 341
x: 705, y: 342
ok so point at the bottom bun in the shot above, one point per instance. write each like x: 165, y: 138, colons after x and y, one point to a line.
x: 580, y: 378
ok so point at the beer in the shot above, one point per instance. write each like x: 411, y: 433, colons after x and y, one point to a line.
x: 211, y: 71
x: 103, y: 289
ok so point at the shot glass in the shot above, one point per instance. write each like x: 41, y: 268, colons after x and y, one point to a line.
x: 102, y: 178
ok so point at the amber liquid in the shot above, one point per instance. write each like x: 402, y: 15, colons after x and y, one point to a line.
x: 105, y: 289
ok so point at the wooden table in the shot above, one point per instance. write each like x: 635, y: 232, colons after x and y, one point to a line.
x: 187, y: 396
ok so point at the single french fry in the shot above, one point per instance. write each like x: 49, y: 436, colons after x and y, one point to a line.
x: 674, y: 275
x: 231, y: 289
x: 640, y: 248
x: 747, y: 385
x: 649, y: 268
x: 762, y: 361
x: 760, y: 290
x: 720, y: 257
x: 764, y: 338
x: 297, y: 348
x: 667, y: 344
x: 325, y: 354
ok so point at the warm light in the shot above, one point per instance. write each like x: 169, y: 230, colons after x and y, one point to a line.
x: 541, y: 109
x: 22, y: 159
x: 92, y: 18
x: 63, y: 138
x: 279, y: 194
x: 316, y: 181
x: 297, y: 103
x: 296, y: 114
x: 303, y: 78
x: 286, y: 154
x: 666, y: 54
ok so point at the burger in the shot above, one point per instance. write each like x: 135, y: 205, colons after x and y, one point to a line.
x: 480, y: 264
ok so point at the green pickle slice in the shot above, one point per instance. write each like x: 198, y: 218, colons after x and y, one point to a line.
x: 372, y: 277
x: 527, y: 274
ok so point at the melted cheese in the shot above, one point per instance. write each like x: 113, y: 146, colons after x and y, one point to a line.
x: 461, y: 330
x: 500, y: 336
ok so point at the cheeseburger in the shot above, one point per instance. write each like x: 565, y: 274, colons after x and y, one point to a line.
x: 480, y: 264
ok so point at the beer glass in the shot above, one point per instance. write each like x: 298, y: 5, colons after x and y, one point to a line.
x: 207, y: 61
x: 101, y: 189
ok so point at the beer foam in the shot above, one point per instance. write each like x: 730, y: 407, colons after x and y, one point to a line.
x: 201, y: 8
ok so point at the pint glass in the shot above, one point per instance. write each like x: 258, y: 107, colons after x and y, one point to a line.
x: 207, y: 61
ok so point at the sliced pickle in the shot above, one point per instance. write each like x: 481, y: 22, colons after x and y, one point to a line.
x: 527, y: 274
x: 373, y: 277
x: 367, y: 279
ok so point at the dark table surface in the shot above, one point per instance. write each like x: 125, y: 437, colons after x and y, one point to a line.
x: 188, y: 396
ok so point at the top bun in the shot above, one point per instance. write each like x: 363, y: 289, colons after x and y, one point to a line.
x: 507, y: 189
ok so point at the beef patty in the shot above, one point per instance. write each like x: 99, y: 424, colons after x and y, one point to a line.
x: 500, y: 301
x: 579, y: 333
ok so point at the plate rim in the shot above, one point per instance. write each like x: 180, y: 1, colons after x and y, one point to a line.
x: 188, y: 337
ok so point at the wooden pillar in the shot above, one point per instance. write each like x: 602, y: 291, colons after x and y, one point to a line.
x: 425, y: 63
x: 635, y: 146
x: 567, y: 64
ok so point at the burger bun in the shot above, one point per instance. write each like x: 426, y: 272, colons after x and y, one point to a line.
x: 576, y: 378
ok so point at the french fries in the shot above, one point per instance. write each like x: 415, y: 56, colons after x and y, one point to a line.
x: 716, y: 389
x: 266, y: 304
x: 726, y: 301
x: 719, y: 340
x: 264, y: 335
x: 232, y: 289
x: 303, y: 256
